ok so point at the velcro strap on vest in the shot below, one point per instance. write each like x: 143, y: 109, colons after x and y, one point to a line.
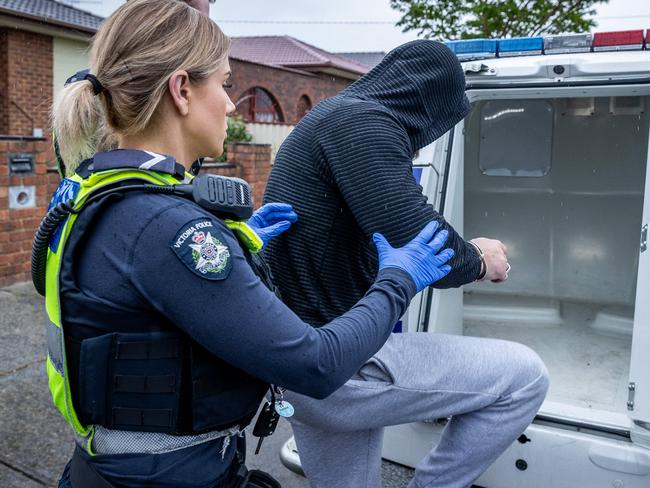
x: 139, y: 417
x: 144, y: 384
x: 158, y: 382
x: 132, y: 381
x: 147, y: 350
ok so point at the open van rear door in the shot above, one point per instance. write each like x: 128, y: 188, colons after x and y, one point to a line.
x: 441, y: 311
x: 639, y: 386
x: 428, y: 167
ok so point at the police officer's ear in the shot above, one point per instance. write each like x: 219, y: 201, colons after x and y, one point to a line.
x: 180, y: 90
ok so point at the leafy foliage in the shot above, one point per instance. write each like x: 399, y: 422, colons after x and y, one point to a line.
x: 491, y: 19
x: 236, y: 132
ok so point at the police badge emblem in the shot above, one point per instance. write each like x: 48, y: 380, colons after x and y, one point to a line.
x: 201, y: 247
x: 209, y: 254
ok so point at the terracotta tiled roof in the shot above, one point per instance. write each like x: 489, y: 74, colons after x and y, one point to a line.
x: 367, y: 59
x: 290, y: 53
x: 49, y: 11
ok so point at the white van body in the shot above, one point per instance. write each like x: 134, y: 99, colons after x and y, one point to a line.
x: 552, y: 161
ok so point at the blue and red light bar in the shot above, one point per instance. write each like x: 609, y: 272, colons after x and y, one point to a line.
x: 618, y: 41
x: 573, y: 43
x: 472, y: 49
x: 520, y: 46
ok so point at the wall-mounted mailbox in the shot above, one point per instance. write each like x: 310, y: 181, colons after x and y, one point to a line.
x: 21, y: 163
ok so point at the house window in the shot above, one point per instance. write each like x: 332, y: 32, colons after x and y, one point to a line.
x: 304, y: 106
x: 259, y: 105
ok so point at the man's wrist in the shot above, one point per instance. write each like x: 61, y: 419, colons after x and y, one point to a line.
x: 479, y: 251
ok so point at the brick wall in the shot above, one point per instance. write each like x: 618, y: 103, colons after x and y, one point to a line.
x: 17, y: 226
x: 26, y: 62
x: 25, y: 99
x: 4, y: 80
x: 285, y: 85
x: 255, y: 160
x: 251, y: 162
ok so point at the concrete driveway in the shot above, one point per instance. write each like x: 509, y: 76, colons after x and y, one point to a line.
x: 35, y: 441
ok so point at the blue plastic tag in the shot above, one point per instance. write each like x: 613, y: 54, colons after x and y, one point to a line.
x: 284, y: 409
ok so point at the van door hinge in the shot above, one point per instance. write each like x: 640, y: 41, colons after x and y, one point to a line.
x: 644, y: 237
x: 631, y: 387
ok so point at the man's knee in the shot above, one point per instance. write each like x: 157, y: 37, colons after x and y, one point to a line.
x: 531, y: 374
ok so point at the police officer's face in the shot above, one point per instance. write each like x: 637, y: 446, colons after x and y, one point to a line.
x: 209, y: 113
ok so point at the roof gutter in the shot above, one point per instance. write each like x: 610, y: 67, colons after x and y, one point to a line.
x: 329, y: 69
x: 44, y: 25
x: 273, y: 66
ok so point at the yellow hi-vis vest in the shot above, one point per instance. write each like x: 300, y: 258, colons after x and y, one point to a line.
x: 56, y: 357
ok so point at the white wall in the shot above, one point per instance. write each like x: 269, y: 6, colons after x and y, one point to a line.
x: 69, y: 57
x: 273, y: 134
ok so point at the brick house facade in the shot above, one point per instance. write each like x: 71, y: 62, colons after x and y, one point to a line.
x: 26, y: 93
x: 288, y: 87
x: 25, y: 86
x: 277, y: 79
x: 25, y: 99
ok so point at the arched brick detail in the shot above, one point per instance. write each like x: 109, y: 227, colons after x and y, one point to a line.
x: 303, y: 106
x: 286, y: 85
x: 258, y: 104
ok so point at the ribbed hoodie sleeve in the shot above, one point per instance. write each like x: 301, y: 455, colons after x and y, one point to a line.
x: 368, y: 154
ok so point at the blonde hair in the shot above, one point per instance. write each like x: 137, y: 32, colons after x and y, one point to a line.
x: 133, y: 55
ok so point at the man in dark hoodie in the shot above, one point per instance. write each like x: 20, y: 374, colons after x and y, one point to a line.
x: 347, y: 170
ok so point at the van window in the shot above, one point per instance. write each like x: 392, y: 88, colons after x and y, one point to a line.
x: 515, y: 137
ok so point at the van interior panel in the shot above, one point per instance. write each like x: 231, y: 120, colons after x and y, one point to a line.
x: 561, y: 183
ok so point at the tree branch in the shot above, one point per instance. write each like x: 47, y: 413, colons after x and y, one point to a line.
x: 544, y: 20
x: 515, y: 26
x: 559, y: 14
x: 472, y: 18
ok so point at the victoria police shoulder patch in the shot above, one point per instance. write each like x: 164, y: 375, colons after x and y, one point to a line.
x: 202, y: 248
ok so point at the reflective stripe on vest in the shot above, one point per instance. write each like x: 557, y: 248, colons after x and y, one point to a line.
x: 56, y: 366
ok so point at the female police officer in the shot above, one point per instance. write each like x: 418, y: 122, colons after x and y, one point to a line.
x: 163, y: 340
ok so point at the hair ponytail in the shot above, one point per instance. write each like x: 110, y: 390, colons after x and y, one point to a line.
x: 77, y: 119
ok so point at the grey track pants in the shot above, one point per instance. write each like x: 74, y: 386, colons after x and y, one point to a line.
x: 492, y: 389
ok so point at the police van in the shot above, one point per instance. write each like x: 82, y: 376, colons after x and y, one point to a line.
x: 552, y: 161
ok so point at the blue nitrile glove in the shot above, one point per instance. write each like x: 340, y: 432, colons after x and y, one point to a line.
x: 420, y: 257
x: 271, y: 220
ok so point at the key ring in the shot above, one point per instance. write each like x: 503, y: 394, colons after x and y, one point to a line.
x: 282, y: 407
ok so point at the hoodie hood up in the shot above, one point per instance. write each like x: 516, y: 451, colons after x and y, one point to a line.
x: 422, y: 84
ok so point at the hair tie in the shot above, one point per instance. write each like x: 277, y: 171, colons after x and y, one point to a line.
x: 97, y: 86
